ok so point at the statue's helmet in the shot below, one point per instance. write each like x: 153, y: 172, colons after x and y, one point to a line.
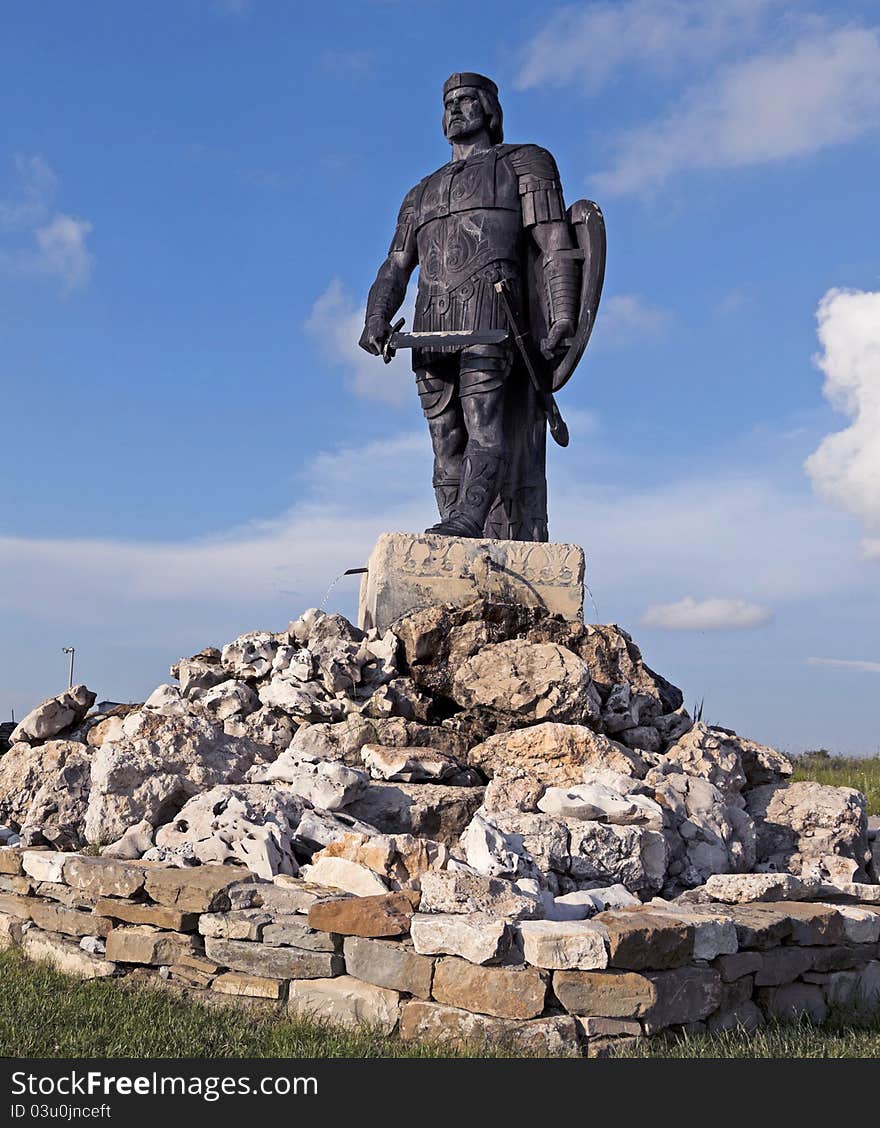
x: 487, y: 92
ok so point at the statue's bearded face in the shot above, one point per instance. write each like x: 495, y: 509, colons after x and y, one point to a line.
x: 463, y: 113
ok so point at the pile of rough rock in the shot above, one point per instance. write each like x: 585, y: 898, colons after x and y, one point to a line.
x: 493, y: 739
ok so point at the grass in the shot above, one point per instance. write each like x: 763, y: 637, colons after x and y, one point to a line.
x: 841, y: 771
x: 46, y: 1014
x: 839, y: 1038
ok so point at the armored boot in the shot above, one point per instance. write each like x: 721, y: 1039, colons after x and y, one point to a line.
x: 481, y: 470
x: 446, y: 493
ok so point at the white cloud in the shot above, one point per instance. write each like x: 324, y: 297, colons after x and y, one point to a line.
x: 588, y: 44
x: 846, y: 664
x: 845, y: 469
x: 691, y: 614
x: 627, y: 315
x: 822, y: 90
x: 336, y: 321
x: 42, y: 242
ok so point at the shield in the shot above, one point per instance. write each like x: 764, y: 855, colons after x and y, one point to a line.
x: 588, y: 226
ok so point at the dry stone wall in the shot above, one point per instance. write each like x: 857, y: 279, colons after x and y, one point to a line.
x: 464, y: 959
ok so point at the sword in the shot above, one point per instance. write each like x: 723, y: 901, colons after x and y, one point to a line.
x: 441, y: 339
x: 555, y: 422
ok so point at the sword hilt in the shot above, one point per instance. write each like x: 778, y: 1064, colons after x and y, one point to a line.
x: 387, y: 351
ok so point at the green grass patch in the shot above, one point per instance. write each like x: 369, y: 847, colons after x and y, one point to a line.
x: 842, y: 771
x: 838, y: 1038
x: 46, y: 1014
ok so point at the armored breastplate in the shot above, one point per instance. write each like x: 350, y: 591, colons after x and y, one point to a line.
x: 467, y: 216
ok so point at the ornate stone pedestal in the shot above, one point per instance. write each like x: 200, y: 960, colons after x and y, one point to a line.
x: 409, y: 571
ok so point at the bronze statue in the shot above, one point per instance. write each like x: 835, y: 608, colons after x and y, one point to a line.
x: 509, y: 285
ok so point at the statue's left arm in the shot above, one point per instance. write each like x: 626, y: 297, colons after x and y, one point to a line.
x: 543, y: 209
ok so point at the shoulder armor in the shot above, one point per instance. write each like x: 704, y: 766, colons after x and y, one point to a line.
x: 405, y: 219
x: 538, y: 181
x: 532, y: 161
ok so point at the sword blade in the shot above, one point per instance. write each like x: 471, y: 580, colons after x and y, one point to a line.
x: 448, y: 339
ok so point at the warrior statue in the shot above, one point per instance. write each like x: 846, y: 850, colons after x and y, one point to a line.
x: 509, y: 285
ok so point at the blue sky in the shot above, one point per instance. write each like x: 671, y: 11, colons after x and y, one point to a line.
x: 194, y: 198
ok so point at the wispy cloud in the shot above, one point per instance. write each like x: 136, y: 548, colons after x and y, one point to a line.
x: 766, y: 81
x: 590, y: 44
x: 845, y: 468
x: 37, y: 240
x: 691, y: 614
x: 336, y: 322
x: 623, y: 316
x: 846, y: 664
x: 822, y: 91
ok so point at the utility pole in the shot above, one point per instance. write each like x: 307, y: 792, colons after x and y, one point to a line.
x: 71, y: 650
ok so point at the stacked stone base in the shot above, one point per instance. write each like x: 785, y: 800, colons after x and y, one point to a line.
x: 543, y: 988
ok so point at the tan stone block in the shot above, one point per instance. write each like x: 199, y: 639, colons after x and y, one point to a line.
x: 505, y: 992
x: 391, y: 964
x: 387, y: 914
x: 274, y: 963
x: 540, y: 1037
x: 144, y: 912
x: 20, y: 886
x: 345, y: 1001
x: 252, y: 986
x: 294, y: 931
x: 64, y: 955
x: 641, y: 941
x: 16, y: 906
x: 410, y: 571
x: 592, y: 1026
x: 237, y: 924
x: 605, y: 994
x: 199, y: 963
x: 10, y: 860
x: 10, y: 931
x: 194, y: 889
x: 104, y: 877
x: 564, y: 944
x: 189, y: 977
x: 71, y: 922
x: 64, y: 894
x: 141, y: 944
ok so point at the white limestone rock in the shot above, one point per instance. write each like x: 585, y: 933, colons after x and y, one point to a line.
x: 409, y: 765
x: 745, y: 888
x: 228, y: 699
x: 54, y: 715
x: 530, y: 681
x: 564, y: 945
x: 323, y: 783
x: 350, y: 877
x: 588, y: 801
x: 811, y: 830
x: 134, y: 843
x: 476, y: 937
x: 250, y: 655
x: 166, y: 700
x: 151, y: 776
x: 44, y: 790
x: 247, y: 823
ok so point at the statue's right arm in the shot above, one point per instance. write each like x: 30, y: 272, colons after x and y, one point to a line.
x: 388, y: 291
